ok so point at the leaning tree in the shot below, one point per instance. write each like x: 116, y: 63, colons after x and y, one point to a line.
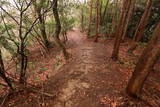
x: 121, y: 27
x: 145, y: 64
x: 141, y: 26
x: 58, y: 29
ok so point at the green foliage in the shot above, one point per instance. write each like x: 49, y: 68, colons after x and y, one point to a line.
x: 40, y: 4
x: 50, y: 27
x: 42, y: 70
x: 31, y: 65
x: 59, y: 63
x: 4, y: 2
x: 8, y: 27
x: 106, y: 12
x: 7, y: 45
x: 67, y: 24
x: 154, y: 18
x: 4, y: 38
x: 83, y: 17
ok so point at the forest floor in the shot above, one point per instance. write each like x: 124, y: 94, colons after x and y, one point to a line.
x: 88, y: 79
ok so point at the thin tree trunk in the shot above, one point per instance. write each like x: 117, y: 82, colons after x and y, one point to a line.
x: 82, y: 19
x: 145, y: 64
x: 97, y: 22
x: 100, y: 11
x: 129, y: 16
x: 104, y: 13
x: 21, y: 52
x: 90, y: 17
x: 114, y: 17
x: 58, y: 30
x: 141, y: 27
x: 38, y: 7
x: 43, y: 31
x: 119, y: 32
x: 2, y: 72
x: 24, y: 61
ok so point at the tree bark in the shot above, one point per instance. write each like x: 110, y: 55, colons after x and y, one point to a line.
x: 58, y: 30
x: 23, y: 64
x: 43, y: 31
x: 82, y: 19
x: 97, y: 22
x: 141, y: 27
x: 42, y: 28
x: 145, y: 64
x: 21, y: 51
x: 104, y: 13
x: 100, y: 11
x: 120, y: 30
x: 129, y: 16
x: 2, y: 72
x: 114, y: 17
x: 90, y: 17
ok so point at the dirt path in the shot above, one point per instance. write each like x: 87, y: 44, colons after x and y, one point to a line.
x: 89, y: 80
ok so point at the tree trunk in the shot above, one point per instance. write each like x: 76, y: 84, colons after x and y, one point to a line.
x: 141, y: 27
x: 97, y: 22
x: 104, y: 13
x: 114, y: 17
x: 100, y: 11
x: 58, y: 30
x: 2, y: 72
x: 38, y: 7
x: 120, y: 30
x: 82, y: 19
x: 90, y: 17
x: 129, y: 16
x: 23, y: 64
x: 43, y: 31
x: 21, y: 52
x: 145, y: 64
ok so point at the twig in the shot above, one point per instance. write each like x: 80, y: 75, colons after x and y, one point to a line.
x: 4, y: 85
x: 38, y: 103
x: 33, y: 89
x: 4, y: 100
x: 41, y: 92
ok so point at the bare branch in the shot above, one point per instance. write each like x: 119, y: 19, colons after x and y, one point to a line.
x: 18, y: 8
x: 9, y: 15
x: 30, y: 29
x: 28, y: 6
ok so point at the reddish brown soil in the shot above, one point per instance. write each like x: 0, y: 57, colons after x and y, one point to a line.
x: 89, y: 79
